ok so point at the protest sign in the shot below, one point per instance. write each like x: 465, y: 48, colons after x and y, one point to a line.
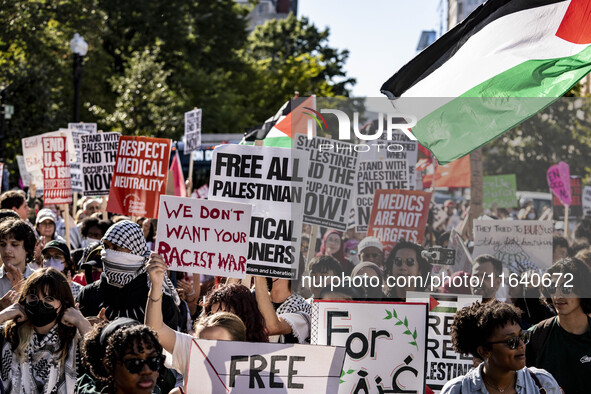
x: 374, y: 175
x: 385, y: 343
x: 519, y: 244
x: 140, y: 176
x: 57, y: 184
x: 587, y: 201
x: 204, y: 237
x: 33, y: 149
x: 272, y: 179
x: 192, y: 131
x: 443, y: 363
x: 500, y: 190
x: 243, y: 367
x: 575, y: 209
x: 98, y: 161
x: 331, y: 181
x: 202, y: 192
x: 558, y: 177
x: 398, y: 214
x: 76, y: 166
x: 85, y: 127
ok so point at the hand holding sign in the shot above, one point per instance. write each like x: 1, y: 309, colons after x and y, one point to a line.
x: 558, y: 177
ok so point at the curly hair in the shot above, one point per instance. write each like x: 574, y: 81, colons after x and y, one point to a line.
x: 237, y: 299
x: 581, y: 277
x: 474, y: 325
x: 100, y: 359
x: 48, y: 282
x: 21, y: 231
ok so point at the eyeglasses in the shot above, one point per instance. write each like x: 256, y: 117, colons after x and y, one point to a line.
x: 409, y: 261
x: 33, y: 300
x: 551, y: 290
x: 136, y: 365
x: 513, y: 342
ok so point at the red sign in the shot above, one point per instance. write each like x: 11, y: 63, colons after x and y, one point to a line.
x: 398, y: 214
x: 140, y: 176
x: 57, y: 183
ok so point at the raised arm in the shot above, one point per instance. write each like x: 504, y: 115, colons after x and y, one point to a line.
x: 274, y: 324
x: 156, y: 269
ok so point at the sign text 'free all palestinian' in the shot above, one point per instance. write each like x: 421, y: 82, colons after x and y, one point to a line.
x: 272, y: 179
x: 140, y: 176
x: 203, y: 236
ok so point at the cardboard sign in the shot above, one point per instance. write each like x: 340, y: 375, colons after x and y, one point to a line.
x: 272, y: 179
x: 243, y: 367
x: 192, y: 131
x: 558, y: 177
x: 575, y: 209
x: 443, y: 363
x: 519, y: 244
x: 331, y: 181
x: 500, y: 190
x: 85, y: 127
x: 386, y: 343
x: 57, y: 184
x: 398, y: 214
x: 374, y: 175
x: 587, y: 201
x: 98, y: 153
x: 204, y: 237
x: 140, y: 176
x: 33, y: 149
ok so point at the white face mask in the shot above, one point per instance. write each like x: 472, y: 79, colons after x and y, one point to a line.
x: 55, y: 263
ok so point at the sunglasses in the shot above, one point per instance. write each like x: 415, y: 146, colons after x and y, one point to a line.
x: 33, y: 300
x: 136, y: 365
x: 409, y: 261
x: 551, y: 290
x: 513, y: 342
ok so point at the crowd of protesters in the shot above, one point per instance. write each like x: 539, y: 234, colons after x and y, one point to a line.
x: 97, y: 314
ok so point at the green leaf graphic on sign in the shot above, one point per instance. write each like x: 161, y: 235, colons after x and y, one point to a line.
x: 343, y: 372
x: 388, y: 315
x: 405, y: 323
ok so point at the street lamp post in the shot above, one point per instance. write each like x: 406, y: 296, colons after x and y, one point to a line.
x: 79, y: 48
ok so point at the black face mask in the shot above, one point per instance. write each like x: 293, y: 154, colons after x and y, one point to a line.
x: 40, y: 315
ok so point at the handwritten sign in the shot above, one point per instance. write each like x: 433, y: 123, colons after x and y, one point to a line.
x: 331, y: 181
x: 57, y: 184
x: 517, y: 243
x: 385, y: 343
x: 33, y: 149
x: 500, y: 190
x: 558, y: 176
x: 204, y: 237
x: 575, y: 209
x: 98, y: 153
x: 192, y: 131
x: 242, y: 367
x: 398, y: 214
x: 272, y: 179
x: 443, y: 363
x: 374, y: 175
x: 140, y: 176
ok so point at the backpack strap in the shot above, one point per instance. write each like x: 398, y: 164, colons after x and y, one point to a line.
x: 537, y: 381
x: 539, y: 335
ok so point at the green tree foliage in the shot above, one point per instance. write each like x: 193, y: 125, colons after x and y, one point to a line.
x: 562, y: 132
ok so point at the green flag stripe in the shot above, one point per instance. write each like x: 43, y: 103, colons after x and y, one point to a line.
x: 499, y: 104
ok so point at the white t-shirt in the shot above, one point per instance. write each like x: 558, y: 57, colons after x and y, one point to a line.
x: 180, y: 353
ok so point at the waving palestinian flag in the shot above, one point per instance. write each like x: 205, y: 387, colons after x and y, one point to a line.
x: 508, y: 60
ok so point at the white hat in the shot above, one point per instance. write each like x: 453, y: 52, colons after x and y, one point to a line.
x: 370, y: 241
x: 45, y: 214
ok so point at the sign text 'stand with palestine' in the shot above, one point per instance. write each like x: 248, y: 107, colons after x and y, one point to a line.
x: 140, y: 176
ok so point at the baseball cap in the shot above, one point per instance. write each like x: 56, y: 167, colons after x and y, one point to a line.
x: 58, y: 245
x: 45, y: 214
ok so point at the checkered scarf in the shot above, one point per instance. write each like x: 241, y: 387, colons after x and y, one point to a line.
x: 129, y: 235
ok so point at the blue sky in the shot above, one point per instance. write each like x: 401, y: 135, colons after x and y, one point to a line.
x: 381, y: 35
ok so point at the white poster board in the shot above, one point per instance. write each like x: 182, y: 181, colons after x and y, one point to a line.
x: 98, y: 153
x: 81, y: 126
x: 443, y: 363
x: 243, y: 367
x: 385, y: 343
x: 33, y: 149
x: 203, y: 236
x: 192, y: 131
x: 331, y: 181
x: 587, y: 201
x: 519, y: 244
x: 272, y: 180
